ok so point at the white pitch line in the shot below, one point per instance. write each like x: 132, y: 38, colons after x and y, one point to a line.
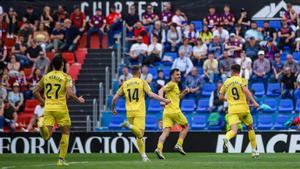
x: 7, y: 167
x: 46, y: 165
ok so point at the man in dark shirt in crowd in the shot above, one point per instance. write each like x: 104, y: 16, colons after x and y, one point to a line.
x: 130, y: 20
x: 149, y: 17
x: 72, y: 37
x: 286, y: 35
x: 288, y: 84
x: 78, y: 19
x: 33, y: 52
x: 57, y: 37
x: 97, y: 24
x: 166, y: 16
x: 114, y: 24
x: 30, y: 16
x: 26, y: 31
x: 268, y: 33
x: 10, y: 116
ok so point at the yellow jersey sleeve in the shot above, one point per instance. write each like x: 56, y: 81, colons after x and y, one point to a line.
x: 41, y: 83
x: 120, y: 91
x: 146, y: 87
x: 168, y: 87
x: 244, y: 82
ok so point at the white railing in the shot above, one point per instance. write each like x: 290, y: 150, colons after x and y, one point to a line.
x: 95, y: 114
x: 113, y: 65
x: 107, y: 81
x: 101, y: 106
x: 124, y: 35
x: 88, y: 122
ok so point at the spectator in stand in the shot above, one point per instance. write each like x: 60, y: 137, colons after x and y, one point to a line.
x: 292, y: 64
x: 215, y: 47
x: 140, y: 31
x: 42, y: 62
x: 270, y: 49
x: 56, y: 38
x: 290, y: 15
x: 19, y: 49
x: 33, y: 52
x: 215, y: 104
x: 72, y: 36
x: 16, y: 98
x: 131, y: 19
x: 38, y: 112
x: 174, y: 38
x: 5, y: 79
x: 46, y: 18
x: 234, y: 46
x: 8, y: 116
x: 193, y: 82
x: 244, y: 20
x: 288, y: 84
x: 268, y: 33
x: 21, y: 79
x: 298, y: 82
x: 186, y: 48
x: 179, y: 18
x: 41, y: 36
x: 240, y: 34
x: 210, y: 68
x: 251, y: 48
x: 225, y: 65
x: 26, y: 31
x: 3, y: 54
x: 297, y: 38
x: 261, y: 69
x: 184, y: 64
x: 221, y: 33
x: 166, y: 16
x: 125, y: 75
x: 60, y: 14
x: 78, y: 19
x: 97, y: 24
x: 286, y: 36
x: 159, y: 32
x: 34, y: 78
x: 3, y: 92
x: 205, y: 35
x: 114, y: 23
x: 254, y: 32
x: 160, y: 81
x: 148, y: 18
x: 246, y: 65
x: 31, y: 16
x: 212, y: 19
x: 199, y: 53
x: 13, y: 66
x: 145, y: 75
x: 227, y: 19
x: 11, y: 21
x: 138, y: 51
x: 277, y: 67
x: 154, y: 52
x: 191, y: 34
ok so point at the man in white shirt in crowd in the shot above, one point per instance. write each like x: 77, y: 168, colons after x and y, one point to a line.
x: 184, y: 64
x: 125, y: 75
x: 145, y: 75
x: 138, y: 51
x: 221, y: 33
x: 154, y: 52
x: 38, y: 112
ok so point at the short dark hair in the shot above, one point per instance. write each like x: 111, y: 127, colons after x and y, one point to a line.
x: 57, y: 62
x: 174, y: 71
x: 236, y: 68
x: 135, y: 69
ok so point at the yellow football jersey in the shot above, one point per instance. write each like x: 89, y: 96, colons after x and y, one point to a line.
x: 134, y: 91
x: 172, y: 93
x: 233, y: 88
x: 55, y: 84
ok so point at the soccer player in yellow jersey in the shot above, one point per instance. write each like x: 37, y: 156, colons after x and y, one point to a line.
x: 134, y: 91
x: 237, y: 92
x: 172, y: 114
x: 57, y: 85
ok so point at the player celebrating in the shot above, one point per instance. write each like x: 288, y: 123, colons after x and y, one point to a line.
x: 57, y: 86
x: 172, y: 114
x: 134, y: 91
x: 236, y: 89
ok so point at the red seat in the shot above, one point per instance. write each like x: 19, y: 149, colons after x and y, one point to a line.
x: 74, y: 71
x: 80, y: 55
x: 24, y: 119
x: 9, y: 43
x: 27, y: 71
x: 50, y: 55
x: 69, y: 56
x: 30, y: 106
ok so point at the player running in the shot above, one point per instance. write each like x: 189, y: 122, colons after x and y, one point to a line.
x: 236, y: 89
x: 134, y: 91
x: 57, y: 86
x: 172, y: 114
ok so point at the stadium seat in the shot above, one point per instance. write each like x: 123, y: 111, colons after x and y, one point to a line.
x: 260, y: 23
x: 166, y: 71
x: 203, y: 106
x: 296, y: 56
x: 297, y: 94
x: 120, y: 105
x: 199, y: 122
x: 279, y: 122
x: 207, y: 89
x: 272, y: 103
x: 273, y: 90
x: 74, y: 71
x: 265, y: 122
x: 69, y: 56
x: 27, y: 72
x: 285, y: 106
x: 198, y: 25
x: 153, y: 71
x: 115, y: 122
x: 173, y: 55
x: 188, y: 105
x: 275, y: 24
x: 80, y: 55
x: 297, y: 109
x: 283, y: 57
x: 30, y: 106
x: 259, y: 89
x: 151, y: 122
x: 154, y: 106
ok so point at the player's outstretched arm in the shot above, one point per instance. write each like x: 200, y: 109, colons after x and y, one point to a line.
x: 37, y: 95
x: 250, y: 96
x: 72, y: 95
x: 184, y: 92
x: 113, y: 104
x: 158, y: 97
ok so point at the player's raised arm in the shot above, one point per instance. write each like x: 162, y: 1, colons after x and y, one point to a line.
x: 184, y: 92
x: 159, y: 97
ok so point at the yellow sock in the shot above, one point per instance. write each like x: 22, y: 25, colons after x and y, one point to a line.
x: 63, y: 145
x: 252, y: 138
x: 44, y: 132
x: 180, y: 141
x: 136, y: 131
x: 230, y: 134
x: 140, y: 144
x: 160, y: 146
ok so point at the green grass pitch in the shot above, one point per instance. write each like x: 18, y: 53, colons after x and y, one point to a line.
x: 133, y: 161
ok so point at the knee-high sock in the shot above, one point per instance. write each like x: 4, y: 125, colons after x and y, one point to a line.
x: 230, y: 134
x: 63, y: 145
x: 180, y: 141
x: 160, y: 146
x: 136, y: 131
x: 44, y: 132
x: 252, y: 138
x: 141, y: 145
